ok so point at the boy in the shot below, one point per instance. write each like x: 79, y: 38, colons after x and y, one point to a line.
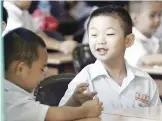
x: 146, y: 20
x: 117, y: 84
x: 20, y: 17
x: 4, y: 18
x: 25, y: 61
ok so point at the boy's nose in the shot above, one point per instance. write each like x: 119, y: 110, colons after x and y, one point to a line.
x: 101, y: 40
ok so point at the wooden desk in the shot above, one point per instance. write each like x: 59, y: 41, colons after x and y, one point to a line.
x: 113, y: 117
x: 152, y: 113
x: 59, y: 58
x: 63, y: 62
x: 153, y: 70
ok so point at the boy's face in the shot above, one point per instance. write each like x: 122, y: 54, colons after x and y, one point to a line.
x: 3, y: 26
x: 106, y: 38
x: 31, y: 76
x: 148, y: 20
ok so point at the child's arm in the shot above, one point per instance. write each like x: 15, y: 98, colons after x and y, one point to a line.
x: 57, y: 45
x: 89, y: 109
x: 80, y: 96
x: 75, y: 94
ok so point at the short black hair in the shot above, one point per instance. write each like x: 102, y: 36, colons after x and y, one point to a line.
x: 22, y: 45
x: 4, y: 15
x: 118, y: 13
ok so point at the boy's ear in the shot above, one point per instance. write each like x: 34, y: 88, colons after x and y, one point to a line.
x: 21, y: 69
x: 3, y: 26
x: 129, y: 40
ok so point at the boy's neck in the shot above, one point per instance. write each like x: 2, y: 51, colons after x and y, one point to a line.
x: 15, y: 80
x: 116, y: 69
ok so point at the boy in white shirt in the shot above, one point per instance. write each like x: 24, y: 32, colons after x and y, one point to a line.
x: 146, y: 20
x: 117, y: 84
x: 25, y: 58
x: 18, y: 16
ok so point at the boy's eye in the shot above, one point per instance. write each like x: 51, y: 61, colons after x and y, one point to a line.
x: 42, y: 70
x: 94, y: 35
x: 152, y: 15
x: 110, y: 34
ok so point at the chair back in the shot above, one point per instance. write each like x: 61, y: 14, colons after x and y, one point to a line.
x: 82, y: 56
x: 52, y: 89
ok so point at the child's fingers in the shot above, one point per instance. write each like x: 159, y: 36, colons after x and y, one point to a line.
x: 97, y: 99
x: 101, y: 104
x: 101, y: 108
x: 92, y: 94
x: 81, y: 87
x: 81, y: 90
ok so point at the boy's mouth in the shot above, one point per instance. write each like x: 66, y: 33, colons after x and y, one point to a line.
x: 102, y: 51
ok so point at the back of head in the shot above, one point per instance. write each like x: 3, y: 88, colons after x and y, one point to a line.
x: 4, y: 19
x: 21, y: 45
x: 5, y: 15
x: 116, y: 12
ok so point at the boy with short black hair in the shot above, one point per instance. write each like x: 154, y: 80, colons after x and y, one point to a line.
x: 25, y: 58
x: 117, y: 84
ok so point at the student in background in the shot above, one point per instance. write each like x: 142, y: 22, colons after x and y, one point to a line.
x: 146, y: 20
x: 117, y: 84
x: 25, y: 58
x: 4, y: 18
x: 20, y: 17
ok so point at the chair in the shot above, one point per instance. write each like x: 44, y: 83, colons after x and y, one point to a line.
x: 82, y: 56
x: 52, y: 89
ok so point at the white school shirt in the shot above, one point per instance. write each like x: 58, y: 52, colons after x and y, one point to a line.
x: 142, y: 46
x: 114, y: 97
x: 21, y: 105
x: 18, y: 18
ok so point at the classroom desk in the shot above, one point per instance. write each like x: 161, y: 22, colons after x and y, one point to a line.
x: 64, y: 62
x: 156, y: 70
x: 133, y: 114
x: 113, y: 117
x: 152, y: 113
x: 59, y: 58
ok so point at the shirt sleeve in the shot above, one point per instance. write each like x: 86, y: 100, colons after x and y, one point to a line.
x: 24, y: 109
x: 154, y: 94
x: 80, y: 78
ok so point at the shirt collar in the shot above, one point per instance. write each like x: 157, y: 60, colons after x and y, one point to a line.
x: 9, y: 86
x: 99, y: 70
x: 142, y: 37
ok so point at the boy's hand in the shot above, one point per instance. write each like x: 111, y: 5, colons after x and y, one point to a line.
x: 93, y: 108
x: 79, y: 96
